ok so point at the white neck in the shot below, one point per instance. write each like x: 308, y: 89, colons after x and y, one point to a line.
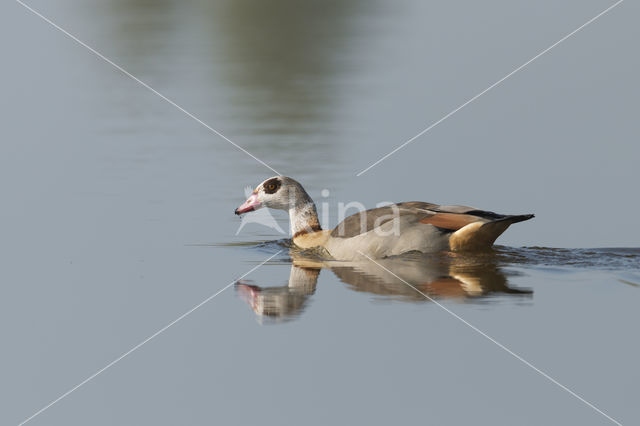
x: 303, y: 218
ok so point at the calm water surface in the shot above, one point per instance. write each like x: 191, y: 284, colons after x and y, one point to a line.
x: 117, y: 213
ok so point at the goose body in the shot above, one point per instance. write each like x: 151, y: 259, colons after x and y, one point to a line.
x: 384, y: 231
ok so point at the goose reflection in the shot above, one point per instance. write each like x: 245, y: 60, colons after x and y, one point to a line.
x: 418, y: 279
x: 282, y: 302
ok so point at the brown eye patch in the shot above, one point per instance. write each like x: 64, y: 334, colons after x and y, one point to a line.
x: 272, y: 185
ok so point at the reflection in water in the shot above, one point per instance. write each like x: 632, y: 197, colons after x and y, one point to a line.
x: 612, y: 258
x: 267, y: 74
x: 282, y: 61
x: 282, y: 55
x: 286, y: 301
x: 437, y: 276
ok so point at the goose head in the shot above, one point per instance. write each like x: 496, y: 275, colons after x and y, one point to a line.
x: 284, y: 193
x: 278, y: 192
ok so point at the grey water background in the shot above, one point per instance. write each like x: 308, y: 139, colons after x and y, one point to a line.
x: 117, y: 210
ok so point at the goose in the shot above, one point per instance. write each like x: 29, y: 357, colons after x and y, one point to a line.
x: 392, y: 230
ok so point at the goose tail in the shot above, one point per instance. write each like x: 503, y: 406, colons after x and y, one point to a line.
x: 479, y: 235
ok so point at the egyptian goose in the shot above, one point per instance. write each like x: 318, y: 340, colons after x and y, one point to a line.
x: 384, y: 231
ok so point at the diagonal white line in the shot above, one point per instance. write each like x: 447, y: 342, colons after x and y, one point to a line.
x: 491, y: 87
x: 500, y: 345
x: 136, y: 347
x: 142, y: 83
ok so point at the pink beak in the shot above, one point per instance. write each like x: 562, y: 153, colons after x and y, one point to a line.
x: 247, y: 292
x: 251, y: 204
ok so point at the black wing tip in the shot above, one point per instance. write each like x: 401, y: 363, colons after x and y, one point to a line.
x: 520, y: 217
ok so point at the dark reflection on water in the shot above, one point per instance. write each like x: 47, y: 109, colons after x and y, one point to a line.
x: 266, y: 74
x: 416, y: 278
x: 478, y: 277
x: 601, y: 258
x: 281, y: 51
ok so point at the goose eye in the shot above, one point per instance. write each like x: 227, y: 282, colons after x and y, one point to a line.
x: 271, y: 186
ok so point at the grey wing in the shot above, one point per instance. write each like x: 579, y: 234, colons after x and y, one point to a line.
x: 454, y: 217
x: 365, y: 221
x: 436, y: 208
x: 484, y: 214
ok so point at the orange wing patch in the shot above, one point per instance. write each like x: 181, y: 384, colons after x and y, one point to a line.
x: 451, y: 221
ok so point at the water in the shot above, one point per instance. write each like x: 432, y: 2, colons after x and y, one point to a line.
x: 117, y: 213
x: 470, y: 278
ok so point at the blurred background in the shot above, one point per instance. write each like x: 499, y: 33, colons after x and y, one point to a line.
x: 115, y: 205
x: 320, y: 90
